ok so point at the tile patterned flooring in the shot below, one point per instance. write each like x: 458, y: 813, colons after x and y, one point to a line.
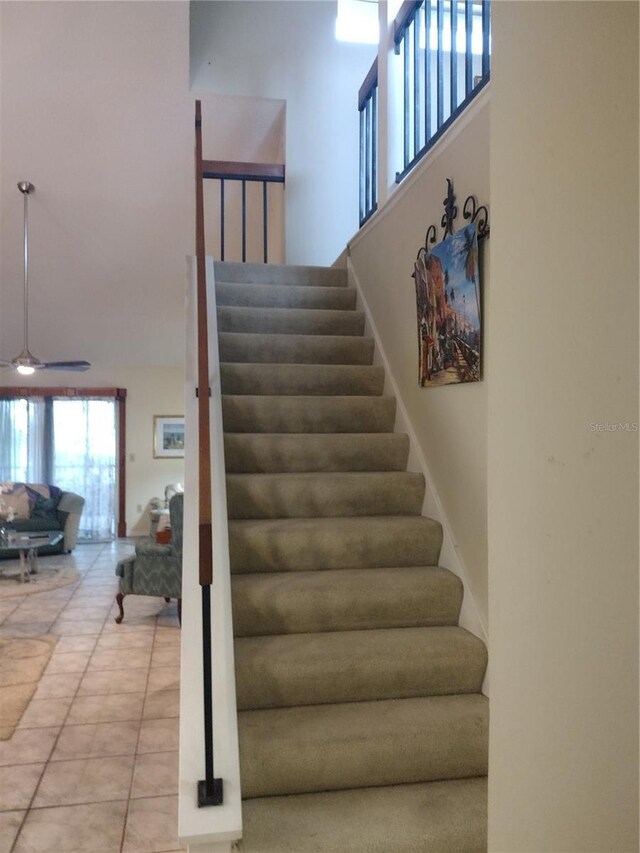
x: 93, y: 764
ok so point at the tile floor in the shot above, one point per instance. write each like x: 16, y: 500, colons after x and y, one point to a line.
x: 93, y: 764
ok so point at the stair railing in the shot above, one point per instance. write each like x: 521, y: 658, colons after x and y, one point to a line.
x: 208, y: 715
x: 445, y: 47
x: 263, y: 173
x: 368, y: 109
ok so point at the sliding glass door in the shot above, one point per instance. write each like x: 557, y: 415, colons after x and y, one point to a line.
x: 84, y: 461
x: 70, y: 443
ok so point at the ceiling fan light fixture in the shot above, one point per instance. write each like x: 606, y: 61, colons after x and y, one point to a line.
x: 25, y: 363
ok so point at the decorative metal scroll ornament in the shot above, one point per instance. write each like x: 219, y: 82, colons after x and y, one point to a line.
x: 471, y: 211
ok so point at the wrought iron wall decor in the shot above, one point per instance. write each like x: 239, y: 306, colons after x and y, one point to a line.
x: 475, y: 214
x: 448, y: 297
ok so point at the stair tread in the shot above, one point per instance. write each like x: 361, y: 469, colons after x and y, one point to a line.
x: 301, y: 379
x: 272, y: 452
x: 295, y: 349
x: 230, y: 271
x: 356, y: 666
x: 324, y: 494
x: 334, y: 600
x: 348, y: 745
x: 285, y: 295
x: 307, y: 413
x: 323, y: 321
x: 430, y: 817
x: 333, y: 542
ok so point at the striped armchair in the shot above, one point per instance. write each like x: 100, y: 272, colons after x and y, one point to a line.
x: 155, y: 569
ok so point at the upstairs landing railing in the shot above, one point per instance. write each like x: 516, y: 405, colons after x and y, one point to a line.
x: 444, y: 51
x: 253, y: 224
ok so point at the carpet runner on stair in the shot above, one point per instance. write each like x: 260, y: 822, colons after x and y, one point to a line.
x: 362, y: 725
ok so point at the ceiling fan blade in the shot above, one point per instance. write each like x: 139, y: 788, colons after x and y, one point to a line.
x: 66, y: 365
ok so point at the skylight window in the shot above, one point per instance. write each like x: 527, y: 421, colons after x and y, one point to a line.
x: 357, y: 21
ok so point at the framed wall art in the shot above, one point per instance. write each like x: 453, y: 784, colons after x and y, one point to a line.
x: 448, y: 308
x: 168, y: 436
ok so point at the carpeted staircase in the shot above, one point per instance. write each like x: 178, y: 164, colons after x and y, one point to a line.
x: 362, y: 726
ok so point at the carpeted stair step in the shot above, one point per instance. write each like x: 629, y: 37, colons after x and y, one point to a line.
x: 362, y: 744
x: 280, y: 274
x: 285, y: 296
x: 305, y: 379
x: 290, y: 321
x: 335, y: 493
x: 295, y: 349
x: 357, y: 666
x: 278, y: 452
x: 344, y: 599
x: 248, y: 413
x: 431, y: 817
x: 308, y: 544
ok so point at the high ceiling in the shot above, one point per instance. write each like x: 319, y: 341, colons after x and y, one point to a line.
x: 95, y: 111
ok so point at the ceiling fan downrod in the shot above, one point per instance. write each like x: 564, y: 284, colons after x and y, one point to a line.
x: 26, y: 367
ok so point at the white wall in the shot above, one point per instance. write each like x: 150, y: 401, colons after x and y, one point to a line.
x: 449, y: 422
x: 563, y: 499
x: 287, y: 50
x: 150, y: 391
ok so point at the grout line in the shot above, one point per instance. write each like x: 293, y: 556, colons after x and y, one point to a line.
x: 57, y: 738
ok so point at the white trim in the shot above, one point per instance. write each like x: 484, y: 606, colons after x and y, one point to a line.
x: 450, y: 556
x: 397, y: 191
x: 214, y: 826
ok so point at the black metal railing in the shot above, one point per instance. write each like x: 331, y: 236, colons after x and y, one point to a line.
x: 210, y: 789
x: 445, y: 46
x: 368, y: 109
x: 243, y: 173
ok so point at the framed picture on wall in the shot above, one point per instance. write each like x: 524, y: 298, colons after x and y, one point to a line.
x: 168, y: 436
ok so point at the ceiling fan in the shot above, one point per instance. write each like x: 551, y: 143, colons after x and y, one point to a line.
x: 25, y: 362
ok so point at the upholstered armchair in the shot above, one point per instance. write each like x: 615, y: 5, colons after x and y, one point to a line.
x: 155, y: 569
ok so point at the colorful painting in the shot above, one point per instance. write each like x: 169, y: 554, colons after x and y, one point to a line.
x: 449, y: 317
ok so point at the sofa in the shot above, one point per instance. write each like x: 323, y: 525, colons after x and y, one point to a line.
x: 33, y: 507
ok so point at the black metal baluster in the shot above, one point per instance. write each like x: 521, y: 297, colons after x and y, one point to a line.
x: 367, y: 155
x: 468, y: 56
x: 361, y: 158
x: 454, y: 55
x: 374, y: 149
x: 244, y: 221
x: 265, y: 235
x: 440, y: 25
x: 222, y: 219
x: 486, y: 33
x: 416, y: 84
x: 210, y: 788
x: 428, y: 130
x: 405, y: 56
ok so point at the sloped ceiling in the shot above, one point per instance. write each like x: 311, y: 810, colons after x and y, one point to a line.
x: 95, y: 111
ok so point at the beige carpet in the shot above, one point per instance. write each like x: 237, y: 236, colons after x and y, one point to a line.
x: 22, y: 662
x: 51, y: 574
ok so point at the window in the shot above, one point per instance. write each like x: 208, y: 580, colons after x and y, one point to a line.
x: 357, y: 21
x: 71, y: 442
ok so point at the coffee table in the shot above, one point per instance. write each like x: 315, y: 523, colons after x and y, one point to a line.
x: 27, y: 545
